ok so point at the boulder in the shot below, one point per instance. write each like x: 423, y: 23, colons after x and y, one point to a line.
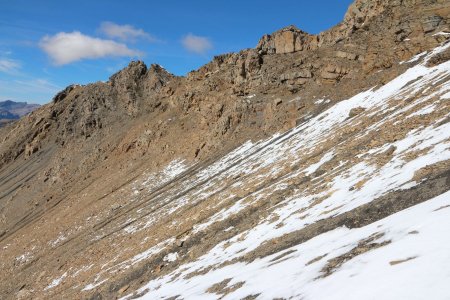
x: 294, y: 75
x: 287, y: 40
x: 430, y: 23
x: 333, y: 73
x: 347, y: 55
x: 356, y: 111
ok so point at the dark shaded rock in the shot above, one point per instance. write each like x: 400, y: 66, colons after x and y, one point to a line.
x: 64, y: 93
x: 431, y: 23
x: 356, y: 111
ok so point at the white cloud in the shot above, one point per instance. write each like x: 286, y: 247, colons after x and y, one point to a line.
x: 124, y: 32
x: 196, y: 44
x: 64, y: 48
x: 9, y: 66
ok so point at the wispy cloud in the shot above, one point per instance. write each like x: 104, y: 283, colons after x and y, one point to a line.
x: 9, y: 66
x: 39, y: 84
x: 196, y: 44
x: 125, y: 32
x: 64, y: 48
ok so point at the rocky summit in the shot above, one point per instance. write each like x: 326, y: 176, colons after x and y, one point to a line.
x: 308, y: 167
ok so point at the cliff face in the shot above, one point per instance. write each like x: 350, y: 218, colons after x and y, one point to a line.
x: 127, y: 185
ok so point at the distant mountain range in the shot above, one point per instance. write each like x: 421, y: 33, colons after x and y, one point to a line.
x: 11, y: 110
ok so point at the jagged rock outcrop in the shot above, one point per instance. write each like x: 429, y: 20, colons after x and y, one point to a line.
x: 60, y: 96
x: 136, y: 82
x: 287, y: 40
x: 404, y: 20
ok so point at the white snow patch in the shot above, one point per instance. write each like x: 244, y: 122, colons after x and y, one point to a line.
x: 149, y: 252
x: 414, y: 58
x: 442, y: 33
x: 445, y: 96
x: 56, y: 282
x: 424, y: 111
x: 24, y: 258
x: 314, y: 167
x: 319, y: 101
x: 61, y: 238
x: 171, y: 257
x: 92, y: 286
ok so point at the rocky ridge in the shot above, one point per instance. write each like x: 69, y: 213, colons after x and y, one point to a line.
x: 115, y: 188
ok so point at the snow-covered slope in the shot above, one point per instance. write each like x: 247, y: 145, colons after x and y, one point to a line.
x: 403, y: 256
x: 351, y: 203
x: 319, y: 212
x: 326, y: 167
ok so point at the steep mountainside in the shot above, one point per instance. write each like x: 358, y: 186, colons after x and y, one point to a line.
x: 309, y: 167
x: 10, y: 110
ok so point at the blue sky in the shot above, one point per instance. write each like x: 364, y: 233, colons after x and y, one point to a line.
x: 46, y: 45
